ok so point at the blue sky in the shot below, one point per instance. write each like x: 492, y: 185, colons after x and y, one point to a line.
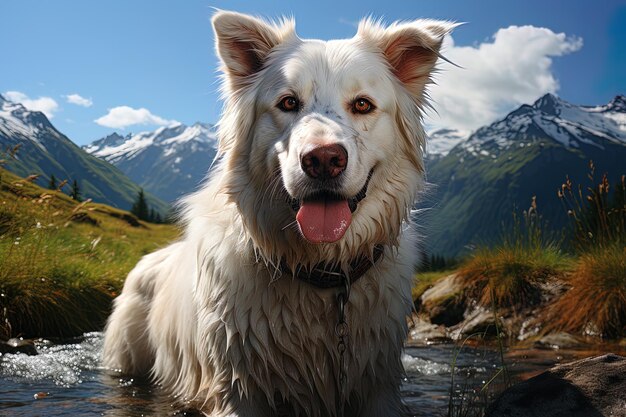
x: 153, y: 61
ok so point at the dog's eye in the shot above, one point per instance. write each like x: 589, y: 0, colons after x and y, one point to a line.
x: 362, y: 106
x: 289, y: 103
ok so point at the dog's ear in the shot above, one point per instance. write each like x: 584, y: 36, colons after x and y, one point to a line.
x: 411, y: 48
x: 243, y: 42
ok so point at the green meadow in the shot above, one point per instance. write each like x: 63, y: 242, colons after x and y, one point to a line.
x: 63, y: 261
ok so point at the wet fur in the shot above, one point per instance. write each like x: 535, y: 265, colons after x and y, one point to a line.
x: 211, y: 317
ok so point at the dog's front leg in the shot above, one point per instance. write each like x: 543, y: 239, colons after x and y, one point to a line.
x: 385, y: 401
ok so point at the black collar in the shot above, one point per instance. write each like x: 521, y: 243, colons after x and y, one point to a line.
x: 323, y: 275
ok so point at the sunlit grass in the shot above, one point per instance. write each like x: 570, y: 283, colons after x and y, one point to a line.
x: 511, y: 276
x: 61, y: 262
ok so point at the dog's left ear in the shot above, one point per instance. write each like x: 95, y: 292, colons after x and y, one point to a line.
x: 411, y: 49
x: 244, y: 42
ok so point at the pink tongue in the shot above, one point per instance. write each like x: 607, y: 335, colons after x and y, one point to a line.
x: 324, y: 221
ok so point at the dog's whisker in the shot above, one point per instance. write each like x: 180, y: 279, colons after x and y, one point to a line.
x: 293, y: 223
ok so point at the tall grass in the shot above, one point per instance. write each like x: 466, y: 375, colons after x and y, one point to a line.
x: 597, y: 217
x: 596, y: 302
x: 472, y: 402
x: 61, y: 263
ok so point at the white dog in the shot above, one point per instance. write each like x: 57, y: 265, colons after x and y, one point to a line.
x: 288, y: 293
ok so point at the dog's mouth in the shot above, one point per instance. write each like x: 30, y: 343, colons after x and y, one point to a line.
x: 324, y: 217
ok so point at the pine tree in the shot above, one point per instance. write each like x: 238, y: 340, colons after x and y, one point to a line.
x: 140, y: 207
x: 52, y: 185
x: 75, y: 194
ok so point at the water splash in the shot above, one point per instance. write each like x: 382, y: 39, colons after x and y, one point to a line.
x: 423, y: 366
x: 64, y: 365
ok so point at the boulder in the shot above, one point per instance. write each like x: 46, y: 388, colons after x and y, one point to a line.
x: 423, y: 332
x: 478, y: 322
x: 592, y: 387
x: 443, y: 303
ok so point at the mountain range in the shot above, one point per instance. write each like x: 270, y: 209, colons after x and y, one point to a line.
x: 44, y: 151
x: 169, y: 162
x: 483, y: 179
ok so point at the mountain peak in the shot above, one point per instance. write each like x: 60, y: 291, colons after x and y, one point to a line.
x: 618, y: 103
x: 549, y: 103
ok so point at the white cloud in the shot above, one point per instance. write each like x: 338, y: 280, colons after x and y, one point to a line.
x: 124, y: 116
x: 46, y: 105
x: 512, y: 68
x: 79, y: 100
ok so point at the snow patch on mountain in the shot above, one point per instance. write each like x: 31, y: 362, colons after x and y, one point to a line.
x: 551, y: 117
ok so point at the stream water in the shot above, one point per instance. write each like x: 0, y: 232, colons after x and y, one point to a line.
x: 66, y: 380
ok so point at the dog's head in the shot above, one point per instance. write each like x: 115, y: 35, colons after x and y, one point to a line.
x: 322, y: 141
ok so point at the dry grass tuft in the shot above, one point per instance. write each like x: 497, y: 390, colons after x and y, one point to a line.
x: 511, y: 273
x: 510, y: 276
x: 596, y: 303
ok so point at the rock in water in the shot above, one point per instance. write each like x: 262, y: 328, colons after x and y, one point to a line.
x: 16, y: 345
x: 591, y: 387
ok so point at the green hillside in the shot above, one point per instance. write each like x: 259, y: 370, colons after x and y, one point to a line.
x: 475, y: 196
x: 62, y: 262
x: 97, y: 179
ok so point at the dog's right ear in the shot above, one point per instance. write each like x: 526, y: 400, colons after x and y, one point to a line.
x: 243, y: 43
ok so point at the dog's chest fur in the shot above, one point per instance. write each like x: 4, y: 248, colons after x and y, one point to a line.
x: 276, y: 335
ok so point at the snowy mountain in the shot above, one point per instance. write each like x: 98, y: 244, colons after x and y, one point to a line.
x: 18, y: 123
x: 169, y: 162
x: 43, y: 150
x: 567, y: 124
x: 482, y: 180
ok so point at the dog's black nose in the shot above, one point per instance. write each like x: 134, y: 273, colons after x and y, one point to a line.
x: 324, y: 162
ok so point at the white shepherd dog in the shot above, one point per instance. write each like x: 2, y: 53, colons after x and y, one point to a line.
x: 289, y: 292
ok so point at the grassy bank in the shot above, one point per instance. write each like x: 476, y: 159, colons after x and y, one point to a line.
x: 574, y: 282
x: 63, y: 261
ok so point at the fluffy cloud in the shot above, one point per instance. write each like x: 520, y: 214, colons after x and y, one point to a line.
x: 124, y: 116
x: 514, y: 67
x: 46, y: 105
x: 79, y: 100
